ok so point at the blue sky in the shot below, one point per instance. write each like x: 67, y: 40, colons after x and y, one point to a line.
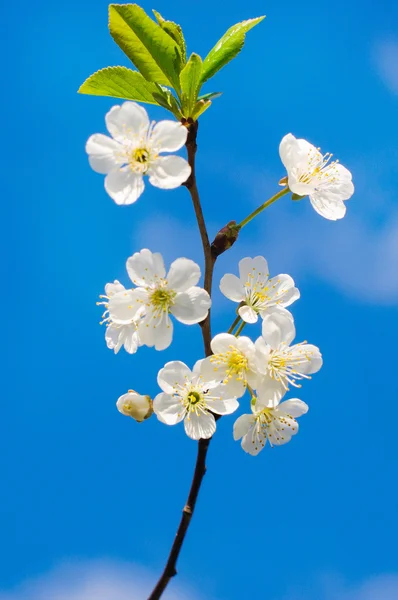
x: 88, y: 492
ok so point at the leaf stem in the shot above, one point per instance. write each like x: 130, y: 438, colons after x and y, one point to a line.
x: 263, y: 206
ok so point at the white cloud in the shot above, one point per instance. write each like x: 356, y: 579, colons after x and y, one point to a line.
x: 380, y: 587
x: 386, y: 60
x: 94, y: 581
x: 351, y: 255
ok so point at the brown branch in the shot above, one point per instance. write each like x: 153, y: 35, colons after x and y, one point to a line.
x: 209, y: 258
x: 211, y: 252
x: 170, y: 568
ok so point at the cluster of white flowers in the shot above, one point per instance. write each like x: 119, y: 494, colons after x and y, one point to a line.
x: 266, y: 368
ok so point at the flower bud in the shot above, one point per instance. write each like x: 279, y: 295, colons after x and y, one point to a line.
x: 225, y: 238
x: 134, y: 405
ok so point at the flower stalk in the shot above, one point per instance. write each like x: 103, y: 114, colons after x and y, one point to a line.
x: 266, y: 204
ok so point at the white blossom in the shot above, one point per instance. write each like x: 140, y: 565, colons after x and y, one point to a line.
x: 233, y: 362
x: 190, y: 396
x: 311, y: 173
x: 161, y: 295
x: 268, y: 421
x: 280, y: 364
x: 134, y: 151
x: 259, y: 294
x: 122, y: 318
x: 135, y: 405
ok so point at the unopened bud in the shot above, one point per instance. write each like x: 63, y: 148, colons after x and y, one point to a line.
x: 134, y: 405
x: 225, y: 238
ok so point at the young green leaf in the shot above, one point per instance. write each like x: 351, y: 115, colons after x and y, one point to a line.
x: 165, y: 98
x: 227, y: 48
x: 200, y: 108
x: 210, y: 96
x: 174, y: 31
x: 155, y: 54
x: 190, y: 83
x: 120, y: 82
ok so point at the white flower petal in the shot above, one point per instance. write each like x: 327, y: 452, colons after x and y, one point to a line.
x: 232, y: 287
x: 294, y: 152
x: 222, y: 406
x: 253, y: 442
x: 114, y: 288
x: 175, y: 374
x: 328, y: 205
x: 129, y: 121
x: 124, y: 186
x: 123, y: 307
x: 168, y: 172
x: 277, y: 328
x: 247, y: 314
x: 124, y: 335
x: 269, y: 393
x: 294, y: 407
x: 222, y: 342
x: 168, y: 136
x: 211, y: 371
x: 112, y: 335
x: 145, y: 267
x: 168, y: 409
x: 191, y: 306
x: 200, y: 426
x: 253, y: 270
x: 236, y: 387
x: 314, y: 358
x: 183, y: 274
x: 242, y: 426
x: 104, y: 153
x: 282, y: 289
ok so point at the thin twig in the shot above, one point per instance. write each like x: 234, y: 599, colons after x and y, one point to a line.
x: 170, y: 569
x: 209, y: 259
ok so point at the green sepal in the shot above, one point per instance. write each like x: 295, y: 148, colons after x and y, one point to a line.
x: 297, y: 197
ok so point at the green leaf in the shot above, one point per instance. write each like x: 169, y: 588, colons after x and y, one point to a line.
x: 227, y: 47
x: 210, y: 96
x: 174, y: 31
x: 120, y: 82
x: 155, y: 54
x: 165, y: 98
x: 190, y: 83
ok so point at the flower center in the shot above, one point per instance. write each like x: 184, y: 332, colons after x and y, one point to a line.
x: 139, y: 160
x: 161, y: 299
x: 194, y: 402
x: 320, y: 168
x: 284, y: 365
x: 235, y: 362
x: 194, y: 398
